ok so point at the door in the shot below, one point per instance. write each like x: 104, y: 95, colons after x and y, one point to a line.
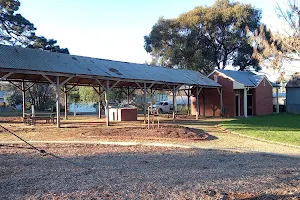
x: 237, y: 105
x: 249, y: 104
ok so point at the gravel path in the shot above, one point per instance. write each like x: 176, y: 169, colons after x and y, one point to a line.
x: 139, y: 172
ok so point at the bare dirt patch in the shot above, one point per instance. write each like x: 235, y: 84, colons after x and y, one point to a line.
x: 139, y: 172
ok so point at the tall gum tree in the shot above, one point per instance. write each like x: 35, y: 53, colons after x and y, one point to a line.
x: 206, y: 38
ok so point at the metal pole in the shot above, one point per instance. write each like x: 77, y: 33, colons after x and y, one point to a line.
x: 277, y: 101
x: 245, y: 103
x: 197, y: 103
x: 145, y: 106
x: 99, y: 104
x: 24, y: 101
x: 66, y: 101
x: 106, y: 102
x: 57, y: 102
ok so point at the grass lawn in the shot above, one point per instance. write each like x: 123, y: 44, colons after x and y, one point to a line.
x: 282, y: 127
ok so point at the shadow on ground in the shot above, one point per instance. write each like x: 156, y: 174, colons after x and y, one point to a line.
x: 137, y: 172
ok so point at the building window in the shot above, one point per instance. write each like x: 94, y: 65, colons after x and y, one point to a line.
x: 264, y: 82
x: 215, y: 78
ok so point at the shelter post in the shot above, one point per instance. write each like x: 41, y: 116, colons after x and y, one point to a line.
x: 24, y: 99
x: 221, y: 102
x: 106, y: 102
x: 188, y: 103
x: 128, y: 95
x: 197, y: 103
x: 277, y: 100
x: 145, y: 104
x: 245, y: 103
x: 66, y: 101
x: 203, y: 106
x: 99, y: 103
x: 57, y: 102
x: 174, y: 102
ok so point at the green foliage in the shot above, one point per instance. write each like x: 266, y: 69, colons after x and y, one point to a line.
x: 87, y: 94
x: 40, y: 42
x: 206, y: 37
x: 116, y: 95
x: 73, y: 95
x: 13, y: 97
x: 15, y: 29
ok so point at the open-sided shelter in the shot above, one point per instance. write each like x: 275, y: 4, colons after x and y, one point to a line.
x: 30, y: 66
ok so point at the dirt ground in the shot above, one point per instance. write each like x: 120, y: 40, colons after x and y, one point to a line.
x: 203, y: 133
x: 95, y: 171
x: 97, y: 131
x: 137, y: 172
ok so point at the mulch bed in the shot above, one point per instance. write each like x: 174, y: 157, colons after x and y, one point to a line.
x: 163, y: 132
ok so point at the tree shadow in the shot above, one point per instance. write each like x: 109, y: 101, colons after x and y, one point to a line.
x: 136, y: 172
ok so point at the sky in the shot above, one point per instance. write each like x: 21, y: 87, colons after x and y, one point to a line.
x: 114, y: 29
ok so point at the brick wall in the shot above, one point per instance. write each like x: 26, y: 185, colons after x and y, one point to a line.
x: 263, y: 98
x: 212, y: 99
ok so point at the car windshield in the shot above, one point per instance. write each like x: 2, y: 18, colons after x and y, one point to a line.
x: 159, y: 103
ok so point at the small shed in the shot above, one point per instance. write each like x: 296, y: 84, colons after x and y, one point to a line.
x: 293, y: 94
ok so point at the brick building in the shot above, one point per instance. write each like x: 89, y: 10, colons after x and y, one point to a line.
x: 243, y: 93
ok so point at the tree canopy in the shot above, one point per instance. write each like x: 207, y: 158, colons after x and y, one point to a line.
x: 40, y: 42
x: 15, y: 29
x: 279, y: 46
x: 206, y: 37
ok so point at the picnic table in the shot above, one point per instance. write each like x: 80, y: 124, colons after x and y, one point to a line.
x: 31, y: 120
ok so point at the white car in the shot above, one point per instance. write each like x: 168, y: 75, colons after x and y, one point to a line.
x: 162, y: 107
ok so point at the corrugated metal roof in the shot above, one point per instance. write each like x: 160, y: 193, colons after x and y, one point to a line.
x: 248, y: 79
x: 37, y: 60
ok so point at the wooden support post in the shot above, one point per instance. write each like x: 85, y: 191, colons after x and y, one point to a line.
x: 188, y: 103
x: 277, y: 100
x: 174, y: 102
x: 145, y: 103
x: 128, y: 95
x: 245, y: 103
x: 57, y: 102
x: 99, y: 103
x: 106, y: 102
x: 66, y: 101
x: 221, y: 102
x: 24, y: 99
x: 203, y: 106
x: 197, y: 103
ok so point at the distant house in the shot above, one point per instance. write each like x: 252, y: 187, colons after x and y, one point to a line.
x: 293, y: 94
x: 243, y: 93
